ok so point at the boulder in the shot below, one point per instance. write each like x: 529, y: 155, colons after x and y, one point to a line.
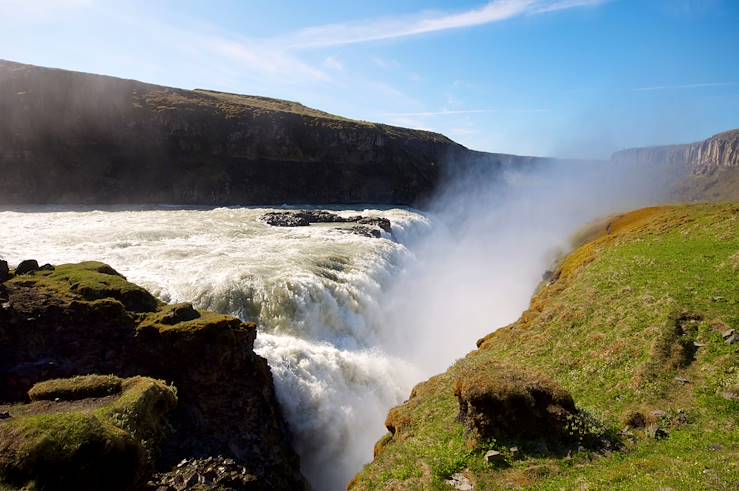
x: 284, y: 220
x: 26, y: 267
x: 383, y: 223
x: 4, y: 271
x: 511, y: 403
x: 495, y: 458
x: 370, y: 232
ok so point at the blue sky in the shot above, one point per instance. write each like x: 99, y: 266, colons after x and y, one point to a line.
x: 538, y: 77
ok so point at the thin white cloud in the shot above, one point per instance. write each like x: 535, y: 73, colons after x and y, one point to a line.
x: 399, y: 27
x: 333, y: 64
x: 463, y: 111
x: 685, y: 86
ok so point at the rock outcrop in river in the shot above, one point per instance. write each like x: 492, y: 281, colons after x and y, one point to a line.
x: 68, y: 137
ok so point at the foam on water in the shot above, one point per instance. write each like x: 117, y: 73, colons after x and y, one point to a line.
x: 316, y: 293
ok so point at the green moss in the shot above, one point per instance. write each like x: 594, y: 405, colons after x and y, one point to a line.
x: 72, y: 389
x: 207, y: 322
x: 90, y: 281
x: 87, y: 446
x: 615, y: 329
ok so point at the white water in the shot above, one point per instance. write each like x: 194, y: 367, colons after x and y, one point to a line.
x: 315, y: 291
x: 348, y: 323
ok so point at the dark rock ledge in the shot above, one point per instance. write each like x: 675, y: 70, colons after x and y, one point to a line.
x: 120, y: 385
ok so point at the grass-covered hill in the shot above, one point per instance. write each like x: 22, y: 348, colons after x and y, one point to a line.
x: 70, y: 137
x: 622, y: 374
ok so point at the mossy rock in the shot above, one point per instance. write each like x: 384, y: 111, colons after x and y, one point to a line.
x: 85, y: 444
x: 73, y: 389
x: 91, y: 281
x: 499, y: 401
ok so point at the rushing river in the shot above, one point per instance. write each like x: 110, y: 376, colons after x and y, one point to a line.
x: 315, y: 291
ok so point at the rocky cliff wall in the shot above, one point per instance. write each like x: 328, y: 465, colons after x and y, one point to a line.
x: 701, y: 158
x: 68, y: 137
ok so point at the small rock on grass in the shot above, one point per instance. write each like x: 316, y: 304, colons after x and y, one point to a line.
x: 494, y: 457
x: 460, y: 482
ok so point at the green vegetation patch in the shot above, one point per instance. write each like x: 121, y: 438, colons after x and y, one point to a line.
x: 72, y: 389
x: 88, y: 446
x: 632, y: 323
x: 90, y: 281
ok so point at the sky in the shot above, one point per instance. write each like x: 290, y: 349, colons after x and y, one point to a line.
x: 567, y: 78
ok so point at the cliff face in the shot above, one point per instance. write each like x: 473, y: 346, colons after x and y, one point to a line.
x: 80, y: 319
x: 68, y: 137
x: 702, y: 171
x: 702, y: 158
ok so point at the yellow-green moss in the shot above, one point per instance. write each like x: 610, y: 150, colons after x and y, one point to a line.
x: 72, y: 389
x: 90, y: 281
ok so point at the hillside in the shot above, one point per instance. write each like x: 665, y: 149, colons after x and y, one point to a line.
x: 706, y: 170
x: 622, y: 374
x: 69, y: 137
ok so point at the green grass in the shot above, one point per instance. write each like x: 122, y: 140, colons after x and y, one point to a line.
x: 615, y: 329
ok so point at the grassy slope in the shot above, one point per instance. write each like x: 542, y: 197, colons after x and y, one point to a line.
x: 608, y: 330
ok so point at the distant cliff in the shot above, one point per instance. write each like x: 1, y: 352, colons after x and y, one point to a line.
x: 701, y: 158
x: 68, y: 137
x: 706, y: 170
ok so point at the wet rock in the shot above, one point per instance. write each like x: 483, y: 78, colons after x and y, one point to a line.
x: 383, y: 223
x: 365, y: 231
x: 4, y: 271
x: 284, y: 220
x: 47, y: 267
x: 26, y: 267
x: 208, y: 473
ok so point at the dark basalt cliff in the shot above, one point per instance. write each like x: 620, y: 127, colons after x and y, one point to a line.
x: 80, y: 319
x: 68, y: 137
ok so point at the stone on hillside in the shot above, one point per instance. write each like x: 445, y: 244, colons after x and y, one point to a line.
x: 504, y: 402
x: 26, y: 267
x: 459, y: 481
x: 494, y: 457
